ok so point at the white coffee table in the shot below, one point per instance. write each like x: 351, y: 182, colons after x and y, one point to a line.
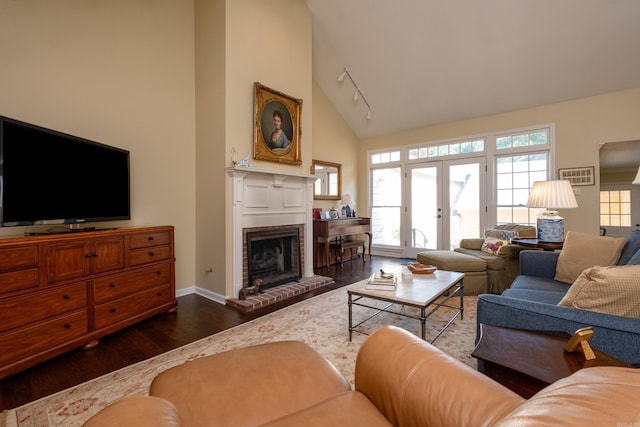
x: 427, y: 292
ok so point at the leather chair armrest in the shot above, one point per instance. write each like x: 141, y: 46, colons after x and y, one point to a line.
x: 137, y: 411
x: 411, y: 382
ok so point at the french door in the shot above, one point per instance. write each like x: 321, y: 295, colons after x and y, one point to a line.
x: 429, y: 205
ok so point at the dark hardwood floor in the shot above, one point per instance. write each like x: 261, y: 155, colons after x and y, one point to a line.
x: 196, y: 318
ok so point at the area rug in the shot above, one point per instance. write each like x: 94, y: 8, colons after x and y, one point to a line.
x: 321, y: 322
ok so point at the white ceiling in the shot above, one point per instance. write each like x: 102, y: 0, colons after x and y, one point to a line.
x: 424, y: 62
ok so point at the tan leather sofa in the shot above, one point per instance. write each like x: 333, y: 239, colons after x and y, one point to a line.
x: 400, y: 380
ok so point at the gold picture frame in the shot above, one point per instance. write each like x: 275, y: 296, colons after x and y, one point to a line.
x: 578, y: 176
x: 276, y: 126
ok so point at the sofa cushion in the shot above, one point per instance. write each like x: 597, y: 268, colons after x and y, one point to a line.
x: 493, y: 262
x: 581, y: 251
x: 347, y: 409
x: 631, y: 247
x: 535, y: 295
x: 612, y: 290
x: 539, y: 284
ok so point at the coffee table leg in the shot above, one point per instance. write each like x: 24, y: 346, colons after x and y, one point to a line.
x: 423, y: 321
x: 462, y: 299
x: 350, y: 317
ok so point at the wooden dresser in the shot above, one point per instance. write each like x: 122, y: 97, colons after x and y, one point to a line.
x: 63, y: 291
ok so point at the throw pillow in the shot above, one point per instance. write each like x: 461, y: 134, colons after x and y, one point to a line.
x: 501, y: 234
x: 493, y: 245
x: 581, y: 251
x: 611, y: 290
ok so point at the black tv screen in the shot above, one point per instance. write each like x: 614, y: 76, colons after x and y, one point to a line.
x: 49, y: 177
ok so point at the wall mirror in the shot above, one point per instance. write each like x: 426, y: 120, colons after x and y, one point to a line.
x: 328, y: 184
x: 619, y: 198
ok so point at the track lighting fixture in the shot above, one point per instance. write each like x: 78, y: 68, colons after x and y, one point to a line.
x: 358, y: 93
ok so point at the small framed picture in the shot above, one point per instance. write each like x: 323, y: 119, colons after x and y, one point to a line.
x: 578, y: 176
x: 276, y: 126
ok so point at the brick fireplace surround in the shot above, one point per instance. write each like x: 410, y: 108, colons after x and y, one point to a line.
x: 263, y: 199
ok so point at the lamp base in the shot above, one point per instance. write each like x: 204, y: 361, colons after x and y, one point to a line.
x: 550, y: 227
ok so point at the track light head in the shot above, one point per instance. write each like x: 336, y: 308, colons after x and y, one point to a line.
x: 355, y: 96
x: 369, y: 114
x: 341, y: 76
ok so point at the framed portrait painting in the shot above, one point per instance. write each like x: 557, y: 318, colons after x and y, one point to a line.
x: 276, y: 127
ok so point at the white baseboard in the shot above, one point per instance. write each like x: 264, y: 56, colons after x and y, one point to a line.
x: 213, y: 296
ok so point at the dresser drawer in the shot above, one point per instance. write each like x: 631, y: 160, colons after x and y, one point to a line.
x: 42, y: 336
x: 17, y: 280
x: 124, y: 308
x: 121, y: 285
x: 149, y: 239
x: 145, y: 256
x: 18, y: 257
x: 36, y: 306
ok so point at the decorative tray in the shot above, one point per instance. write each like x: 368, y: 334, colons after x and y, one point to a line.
x: 418, y: 268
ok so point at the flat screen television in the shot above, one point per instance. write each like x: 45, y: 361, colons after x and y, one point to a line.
x: 49, y: 177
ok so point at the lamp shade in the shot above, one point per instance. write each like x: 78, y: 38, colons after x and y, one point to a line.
x: 552, y: 195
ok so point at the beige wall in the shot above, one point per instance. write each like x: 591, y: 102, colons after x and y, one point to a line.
x: 121, y: 73
x: 211, y: 155
x: 580, y: 126
x: 334, y: 142
x: 266, y: 42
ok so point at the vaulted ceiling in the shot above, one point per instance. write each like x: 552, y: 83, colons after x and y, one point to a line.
x: 424, y: 62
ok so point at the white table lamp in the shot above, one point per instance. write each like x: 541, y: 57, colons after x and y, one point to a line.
x: 551, y: 195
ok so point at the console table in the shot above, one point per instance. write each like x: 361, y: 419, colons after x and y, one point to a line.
x: 538, y: 244
x: 326, y: 229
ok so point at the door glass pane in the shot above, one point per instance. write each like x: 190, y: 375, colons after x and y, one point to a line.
x: 386, y: 203
x: 424, y: 208
x: 464, y: 202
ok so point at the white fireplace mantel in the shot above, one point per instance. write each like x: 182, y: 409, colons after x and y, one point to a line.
x: 263, y: 198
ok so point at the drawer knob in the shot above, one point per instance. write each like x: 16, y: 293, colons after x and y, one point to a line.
x: 27, y: 301
x: 67, y: 296
x: 91, y: 255
x: 27, y: 333
x: 151, y: 238
x: 67, y: 325
x: 159, y: 273
x: 112, y: 284
x: 152, y: 253
x: 159, y: 294
x: 113, y: 310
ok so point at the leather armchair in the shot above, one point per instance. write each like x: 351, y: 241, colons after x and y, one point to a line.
x: 400, y: 380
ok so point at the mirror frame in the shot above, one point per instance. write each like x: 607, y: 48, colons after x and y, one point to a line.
x: 338, y: 166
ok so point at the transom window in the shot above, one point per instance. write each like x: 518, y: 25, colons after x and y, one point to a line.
x: 385, y: 157
x: 450, y: 149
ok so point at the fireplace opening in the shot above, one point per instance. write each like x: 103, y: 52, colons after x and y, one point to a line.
x: 273, y: 257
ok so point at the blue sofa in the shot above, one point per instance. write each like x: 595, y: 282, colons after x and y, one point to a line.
x: 531, y: 303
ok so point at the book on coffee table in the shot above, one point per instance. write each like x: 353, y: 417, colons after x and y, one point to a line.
x: 382, y: 281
